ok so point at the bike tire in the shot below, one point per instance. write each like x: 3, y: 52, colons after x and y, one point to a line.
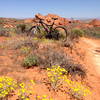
x: 62, y: 31
x: 33, y: 30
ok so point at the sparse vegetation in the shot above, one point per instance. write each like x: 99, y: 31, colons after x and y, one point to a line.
x: 4, y: 32
x: 78, y: 91
x: 7, y: 86
x: 24, y: 92
x: 30, y: 61
x: 21, y: 29
x: 76, y: 33
x: 25, y: 50
x: 92, y: 32
x: 55, y: 74
x: 43, y: 97
x: 52, y: 65
x: 50, y: 57
x: 20, y: 42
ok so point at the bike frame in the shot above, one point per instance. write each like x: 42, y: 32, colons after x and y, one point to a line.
x: 48, y: 28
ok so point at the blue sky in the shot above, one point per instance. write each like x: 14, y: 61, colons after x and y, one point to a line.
x: 64, y: 8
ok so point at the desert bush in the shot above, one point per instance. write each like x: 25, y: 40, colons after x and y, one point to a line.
x: 30, y: 61
x: 76, y: 69
x: 24, y: 92
x: 55, y: 74
x: 76, y: 33
x: 2, y: 21
x: 72, y: 38
x: 7, y: 85
x: 4, y: 32
x: 7, y: 32
x: 20, y: 42
x: 12, y: 31
x: 50, y: 57
x: 21, y: 28
x: 77, y: 90
x: 53, y: 35
x: 68, y: 43
x: 25, y: 50
x: 92, y: 32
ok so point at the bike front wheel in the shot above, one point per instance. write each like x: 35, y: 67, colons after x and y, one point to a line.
x: 61, y: 32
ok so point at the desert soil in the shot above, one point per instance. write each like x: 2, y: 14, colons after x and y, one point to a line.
x: 92, y: 62
x: 92, y: 48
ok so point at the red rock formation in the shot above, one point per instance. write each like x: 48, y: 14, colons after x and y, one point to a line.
x: 49, y: 19
x: 67, y: 22
x: 95, y: 23
x: 39, y: 16
x: 52, y: 16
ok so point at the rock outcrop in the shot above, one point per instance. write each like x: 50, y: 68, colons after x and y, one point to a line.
x: 95, y: 23
x: 49, y: 19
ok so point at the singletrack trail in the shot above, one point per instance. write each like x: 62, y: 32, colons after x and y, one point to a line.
x: 94, y: 53
x: 92, y: 62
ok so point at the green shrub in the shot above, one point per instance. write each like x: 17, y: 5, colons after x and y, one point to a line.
x: 4, y: 32
x: 2, y: 21
x: 72, y: 38
x: 25, y: 50
x: 76, y: 33
x: 30, y: 61
x: 20, y: 42
x: 92, y: 32
x: 7, y: 32
x: 21, y: 28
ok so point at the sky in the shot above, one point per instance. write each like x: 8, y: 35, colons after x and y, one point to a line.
x: 64, y: 8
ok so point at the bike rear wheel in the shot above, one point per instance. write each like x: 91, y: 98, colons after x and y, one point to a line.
x: 32, y: 31
x: 37, y: 31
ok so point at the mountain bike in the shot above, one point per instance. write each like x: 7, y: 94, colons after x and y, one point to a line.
x: 51, y: 31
